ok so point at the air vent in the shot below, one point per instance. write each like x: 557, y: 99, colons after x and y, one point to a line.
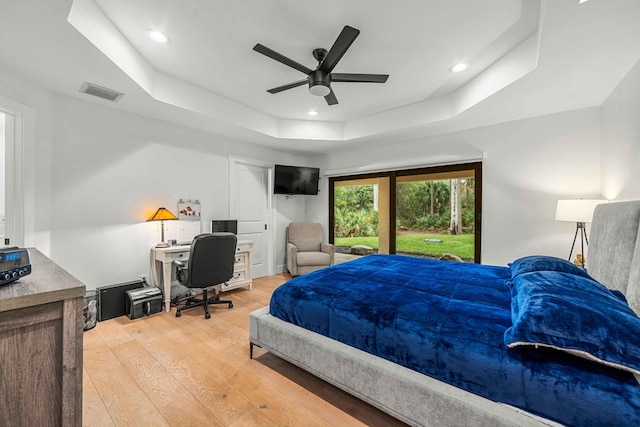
x: 101, y: 92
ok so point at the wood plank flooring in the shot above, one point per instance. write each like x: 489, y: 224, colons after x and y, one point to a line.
x: 188, y: 371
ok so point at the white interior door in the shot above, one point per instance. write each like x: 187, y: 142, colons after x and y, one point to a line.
x: 250, y: 205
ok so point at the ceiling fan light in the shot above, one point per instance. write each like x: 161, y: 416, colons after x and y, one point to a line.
x: 319, y: 90
x: 319, y: 83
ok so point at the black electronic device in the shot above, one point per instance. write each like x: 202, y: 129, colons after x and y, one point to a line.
x: 224, y: 226
x: 296, y: 180
x: 14, y: 264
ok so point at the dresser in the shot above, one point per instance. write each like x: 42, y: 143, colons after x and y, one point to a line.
x: 41, y: 324
x: 163, y: 267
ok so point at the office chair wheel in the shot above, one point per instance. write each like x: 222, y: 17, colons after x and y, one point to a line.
x: 178, y: 314
x: 230, y: 305
x: 207, y: 315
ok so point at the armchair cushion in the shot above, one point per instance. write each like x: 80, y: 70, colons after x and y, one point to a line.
x: 313, y: 258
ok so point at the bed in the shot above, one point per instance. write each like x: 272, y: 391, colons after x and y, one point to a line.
x: 443, y: 343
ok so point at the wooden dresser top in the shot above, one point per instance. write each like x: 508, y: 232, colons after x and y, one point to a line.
x: 48, y: 282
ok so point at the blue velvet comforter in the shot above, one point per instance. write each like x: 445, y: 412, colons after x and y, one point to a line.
x: 447, y: 320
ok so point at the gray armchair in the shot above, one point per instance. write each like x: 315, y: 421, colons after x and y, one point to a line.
x: 306, y: 252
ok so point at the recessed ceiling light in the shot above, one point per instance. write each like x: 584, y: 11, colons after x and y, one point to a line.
x: 458, y: 67
x: 582, y: 1
x: 158, y: 36
x: 312, y: 113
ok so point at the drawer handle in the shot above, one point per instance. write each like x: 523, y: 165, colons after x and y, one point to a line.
x: 238, y: 260
x: 237, y: 276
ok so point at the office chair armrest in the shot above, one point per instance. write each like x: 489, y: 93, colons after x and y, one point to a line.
x: 182, y: 272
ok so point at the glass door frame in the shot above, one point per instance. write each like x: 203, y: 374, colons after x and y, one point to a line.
x: 476, y: 167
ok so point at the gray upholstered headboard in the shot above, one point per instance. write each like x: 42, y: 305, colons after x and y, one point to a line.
x: 614, y: 248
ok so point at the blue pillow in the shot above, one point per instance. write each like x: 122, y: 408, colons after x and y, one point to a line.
x: 576, y: 315
x: 533, y: 263
x: 530, y: 264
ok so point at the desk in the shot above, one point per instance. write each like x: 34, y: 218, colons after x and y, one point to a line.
x: 163, y: 265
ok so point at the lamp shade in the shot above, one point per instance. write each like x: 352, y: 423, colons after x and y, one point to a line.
x: 162, y: 214
x: 577, y: 210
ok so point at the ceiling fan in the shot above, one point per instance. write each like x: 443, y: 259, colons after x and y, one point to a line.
x: 320, y: 79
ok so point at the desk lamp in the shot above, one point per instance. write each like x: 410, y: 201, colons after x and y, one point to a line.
x: 579, y: 211
x: 162, y: 215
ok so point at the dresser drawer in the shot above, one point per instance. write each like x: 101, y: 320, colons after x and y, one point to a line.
x: 244, y: 246
x: 238, y: 276
x: 239, y: 279
x: 180, y: 256
x: 240, y: 260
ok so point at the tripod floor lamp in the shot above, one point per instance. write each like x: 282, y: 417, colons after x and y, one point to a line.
x: 579, y: 211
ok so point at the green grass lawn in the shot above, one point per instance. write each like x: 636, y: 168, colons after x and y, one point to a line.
x: 461, y: 244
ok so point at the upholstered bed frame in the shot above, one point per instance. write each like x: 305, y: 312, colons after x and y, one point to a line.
x: 613, y: 259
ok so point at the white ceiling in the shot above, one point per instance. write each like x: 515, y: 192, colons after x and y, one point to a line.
x: 527, y: 58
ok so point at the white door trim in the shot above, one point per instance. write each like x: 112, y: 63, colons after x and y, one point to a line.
x: 19, y: 191
x: 233, y: 162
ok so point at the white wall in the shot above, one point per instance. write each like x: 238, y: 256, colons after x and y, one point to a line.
x: 621, y: 139
x: 288, y: 210
x: 528, y: 165
x: 113, y: 169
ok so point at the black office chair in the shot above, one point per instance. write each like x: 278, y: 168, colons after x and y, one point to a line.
x: 211, y: 261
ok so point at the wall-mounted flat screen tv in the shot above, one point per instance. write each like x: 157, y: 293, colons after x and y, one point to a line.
x: 296, y: 180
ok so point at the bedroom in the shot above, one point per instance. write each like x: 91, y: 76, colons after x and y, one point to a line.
x: 92, y: 170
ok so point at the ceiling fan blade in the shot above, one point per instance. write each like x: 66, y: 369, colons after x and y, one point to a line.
x: 280, y: 58
x: 331, y: 98
x: 342, y: 43
x: 359, y: 78
x: 288, y: 86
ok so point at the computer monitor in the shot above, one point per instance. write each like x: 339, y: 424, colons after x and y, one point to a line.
x: 224, y: 226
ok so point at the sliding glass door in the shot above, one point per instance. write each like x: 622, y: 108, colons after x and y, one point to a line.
x: 435, y: 213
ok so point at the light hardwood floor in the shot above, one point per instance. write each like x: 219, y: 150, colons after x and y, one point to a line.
x: 188, y: 371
